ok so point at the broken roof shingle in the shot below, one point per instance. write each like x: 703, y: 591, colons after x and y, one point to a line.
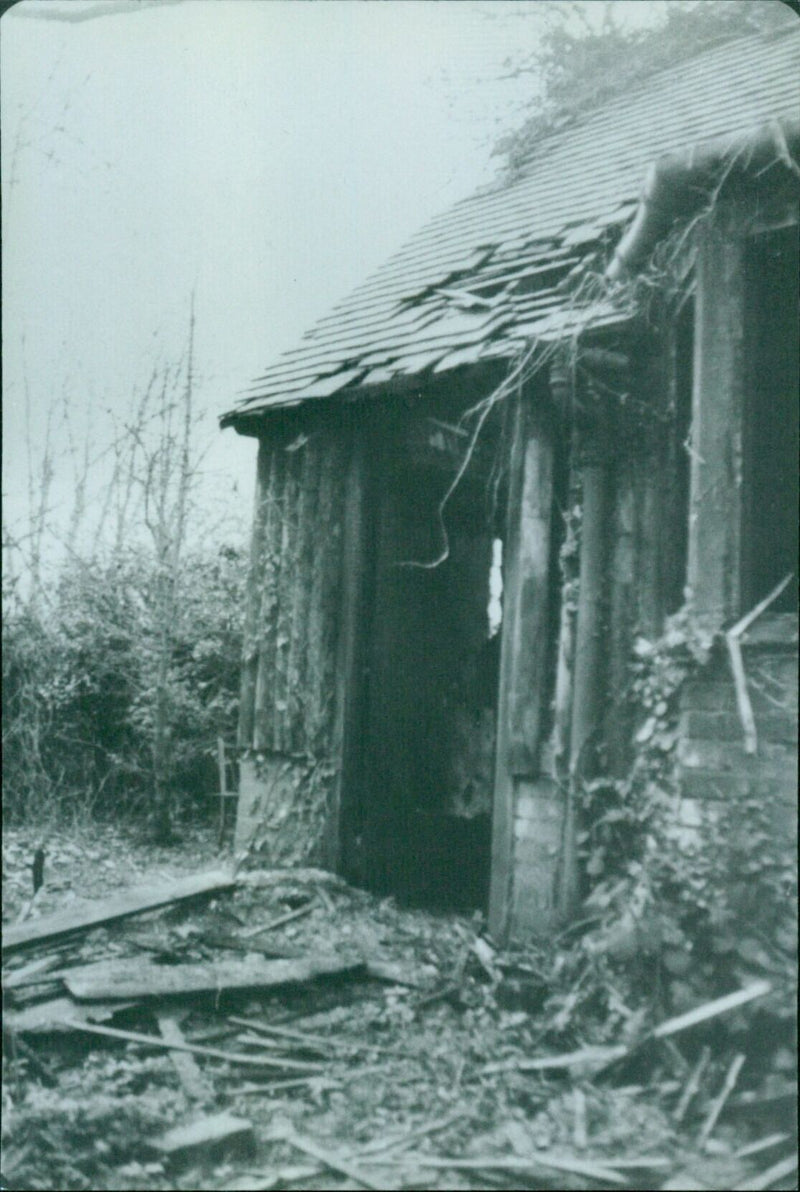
x: 507, y: 246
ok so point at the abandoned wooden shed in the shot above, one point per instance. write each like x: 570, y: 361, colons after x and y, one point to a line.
x: 579, y: 386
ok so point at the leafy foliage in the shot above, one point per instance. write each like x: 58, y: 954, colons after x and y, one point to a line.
x: 582, y: 63
x: 78, y: 680
x: 683, y: 906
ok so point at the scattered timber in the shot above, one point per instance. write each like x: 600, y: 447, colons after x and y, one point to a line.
x: 213, y: 1053
x: 121, y: 906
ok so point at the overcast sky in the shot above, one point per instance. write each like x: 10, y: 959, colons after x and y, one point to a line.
x: 266, y: 153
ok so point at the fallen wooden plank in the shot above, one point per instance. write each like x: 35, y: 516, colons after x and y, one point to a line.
x: 194, y: 1083
x: 215, y: 1053
x: 206, y: 1133
x: 133, y: 979
x: 720, y: 1005
x: 591, y: 1057
x: 119, y: 906
x: 585, y: 1167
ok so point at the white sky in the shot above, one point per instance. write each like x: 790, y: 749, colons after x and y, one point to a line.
x: 268, y: 153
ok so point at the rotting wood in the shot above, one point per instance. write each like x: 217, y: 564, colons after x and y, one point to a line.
x: 195, y: 1085
x: 131, y: 902
x: 132, y: 979
x: 205, y: 1133
x: 213, y: 1053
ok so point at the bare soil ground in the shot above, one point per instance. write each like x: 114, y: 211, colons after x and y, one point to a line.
x: 415, y: 1070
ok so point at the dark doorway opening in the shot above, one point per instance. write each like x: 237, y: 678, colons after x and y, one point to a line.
x: 431, y: 659
x: 770, y: 514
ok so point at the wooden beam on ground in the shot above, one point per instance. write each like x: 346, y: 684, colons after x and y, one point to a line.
x: 120, y: 906
x: 126, y: 979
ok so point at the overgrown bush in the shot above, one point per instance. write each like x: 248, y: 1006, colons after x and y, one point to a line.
x: 79, y: 675
x: 680, y: 910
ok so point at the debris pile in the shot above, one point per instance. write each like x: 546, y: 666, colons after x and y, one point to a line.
x: 279, y: 1029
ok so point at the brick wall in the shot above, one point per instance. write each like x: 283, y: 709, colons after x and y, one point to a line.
x: 713, y: 764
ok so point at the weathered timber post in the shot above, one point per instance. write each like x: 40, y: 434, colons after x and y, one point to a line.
x: 526, y: 825
x: 587, y: 679
x: 717, y: 409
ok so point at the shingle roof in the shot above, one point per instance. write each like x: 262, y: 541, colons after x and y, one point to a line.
x: 486, y: 275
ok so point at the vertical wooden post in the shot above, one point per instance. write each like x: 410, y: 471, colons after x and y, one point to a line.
x: 350, y: 645
x: 588, y: 676
x: 524, y: 644
x: 717, y: 408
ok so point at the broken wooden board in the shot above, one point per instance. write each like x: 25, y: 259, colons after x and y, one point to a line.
x: 119, y: 906
x: 205, y: 1134
x: 125, y: 979
x: 58, y: 1014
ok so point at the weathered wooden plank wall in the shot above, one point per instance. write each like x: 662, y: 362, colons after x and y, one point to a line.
x: 293, y: 608
x: 288, y: 714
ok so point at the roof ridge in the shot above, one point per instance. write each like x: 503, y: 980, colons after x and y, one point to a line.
x: 586, y: 115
